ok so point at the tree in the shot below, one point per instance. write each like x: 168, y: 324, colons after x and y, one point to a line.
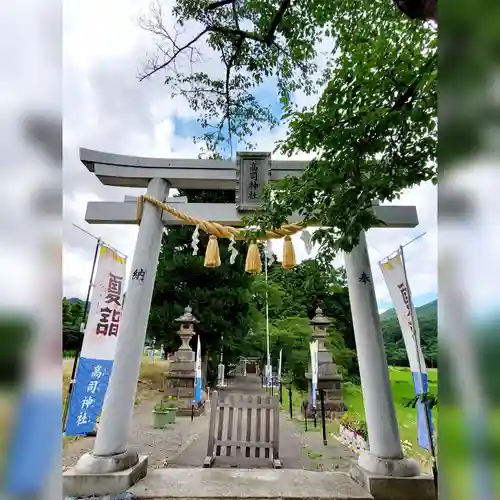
x: 67, y: 317
x: 373, y: 132
x: 294, y: 295
x: 221, y: 297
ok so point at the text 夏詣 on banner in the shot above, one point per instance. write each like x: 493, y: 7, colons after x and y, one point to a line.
x: 99, y: 344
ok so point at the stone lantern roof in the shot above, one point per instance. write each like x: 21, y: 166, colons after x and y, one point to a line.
x: 187, y: 317
x: 320, y: 319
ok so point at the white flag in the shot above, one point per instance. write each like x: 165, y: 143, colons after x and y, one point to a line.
x: 314, y: 371
x: 399, y: 290
x: 396, y: 280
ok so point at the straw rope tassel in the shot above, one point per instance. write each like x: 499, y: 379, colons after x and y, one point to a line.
x: 253, y: 264
x: 212, y: 255
x: 288, y: 253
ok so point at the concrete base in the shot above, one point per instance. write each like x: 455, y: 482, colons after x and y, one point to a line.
x: 82, y: 484
x: 250, y: 484
x: 395, y: 488
x: 404, y: 467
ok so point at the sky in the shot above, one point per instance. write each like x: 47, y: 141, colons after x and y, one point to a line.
x: 106, y: 108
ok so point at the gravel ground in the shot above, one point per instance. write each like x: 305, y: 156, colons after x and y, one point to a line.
x: 160, y: 444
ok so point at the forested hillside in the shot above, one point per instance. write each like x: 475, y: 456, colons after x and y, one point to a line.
x: 394, y: 345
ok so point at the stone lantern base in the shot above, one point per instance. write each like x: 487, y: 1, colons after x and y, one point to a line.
x: 179, y: 384
x: 179, y: 380
x: 334, y: 403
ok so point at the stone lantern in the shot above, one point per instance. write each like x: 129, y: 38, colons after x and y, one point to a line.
x: 329, y: 378
x: 179, y: 380
x: 186, y: 332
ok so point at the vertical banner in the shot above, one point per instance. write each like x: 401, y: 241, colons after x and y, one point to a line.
x: 197, y: 373
x: 314, y: 371
x: 99, y: 344
x: 280, y: 360
x: 396, y: 280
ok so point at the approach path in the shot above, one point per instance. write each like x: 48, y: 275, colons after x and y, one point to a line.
x: 298, y: 449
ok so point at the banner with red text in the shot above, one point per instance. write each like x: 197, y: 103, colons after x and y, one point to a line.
x: 99, y: 344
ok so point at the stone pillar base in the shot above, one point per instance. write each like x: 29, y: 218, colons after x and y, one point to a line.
x: 99, y: 476
x: 392, y: 487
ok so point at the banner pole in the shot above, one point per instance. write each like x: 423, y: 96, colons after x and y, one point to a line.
x: 323, y: 419
x: 82, y: 331
x: 419, y: 361
x: 290, y: 400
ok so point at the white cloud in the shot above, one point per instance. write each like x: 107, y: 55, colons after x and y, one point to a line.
x: 107, y: 108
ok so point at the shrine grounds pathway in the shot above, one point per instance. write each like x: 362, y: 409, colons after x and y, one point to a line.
x: 184, y: 444
x: 298, y: 449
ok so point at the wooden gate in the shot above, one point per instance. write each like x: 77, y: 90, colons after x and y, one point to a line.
x: 243, y: 428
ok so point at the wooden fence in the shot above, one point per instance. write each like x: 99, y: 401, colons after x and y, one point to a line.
x: 243, y: 427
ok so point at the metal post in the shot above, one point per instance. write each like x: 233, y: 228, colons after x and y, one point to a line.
x: 290, y: 400
x: 314, y: 417
x: 323, y: 419
x: 268, y: 371
x: 306, y: 406
x: 281, y: 393
x: 82, y: 331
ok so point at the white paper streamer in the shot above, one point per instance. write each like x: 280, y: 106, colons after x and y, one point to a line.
x: 306, y: 238
x: 268, y: 250
x: 195, y: 240
x: 232, y: 249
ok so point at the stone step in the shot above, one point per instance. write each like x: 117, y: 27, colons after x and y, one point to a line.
x: 246, y: 484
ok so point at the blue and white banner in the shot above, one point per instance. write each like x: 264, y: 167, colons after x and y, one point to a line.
x: 99, y: 344
x: 396, y: 280
x: 197, y: 373
x: 313, y: 346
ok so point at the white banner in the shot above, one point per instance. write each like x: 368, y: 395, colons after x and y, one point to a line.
x: 313, y: 346
x: 397, y: 284
x: 399, y: 290
x: 101, y: 332
x: 280, y: 360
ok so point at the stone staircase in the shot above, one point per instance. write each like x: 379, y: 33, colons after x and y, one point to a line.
x: 246, y: 484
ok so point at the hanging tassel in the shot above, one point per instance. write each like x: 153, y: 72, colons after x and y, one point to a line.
x: 212, y: 255
x: 288, y: 254
x: 253, y: 264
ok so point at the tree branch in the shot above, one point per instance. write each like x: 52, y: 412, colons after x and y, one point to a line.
x: 176, y: 53
x: 216, y: 5
x: 423, y: 10
x: 285, y: 4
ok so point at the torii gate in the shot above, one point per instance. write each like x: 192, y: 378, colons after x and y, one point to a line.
x: 158, y: 175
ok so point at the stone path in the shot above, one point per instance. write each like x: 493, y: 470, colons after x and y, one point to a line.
x: 185, y: 443
x: 298, y: 449
x: 160, y: 444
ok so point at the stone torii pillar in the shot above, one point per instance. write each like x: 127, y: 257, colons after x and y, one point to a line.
x: 110, y: 453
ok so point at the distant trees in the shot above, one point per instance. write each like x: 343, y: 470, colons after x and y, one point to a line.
x: 394, y: 344
x: 72, y: 317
